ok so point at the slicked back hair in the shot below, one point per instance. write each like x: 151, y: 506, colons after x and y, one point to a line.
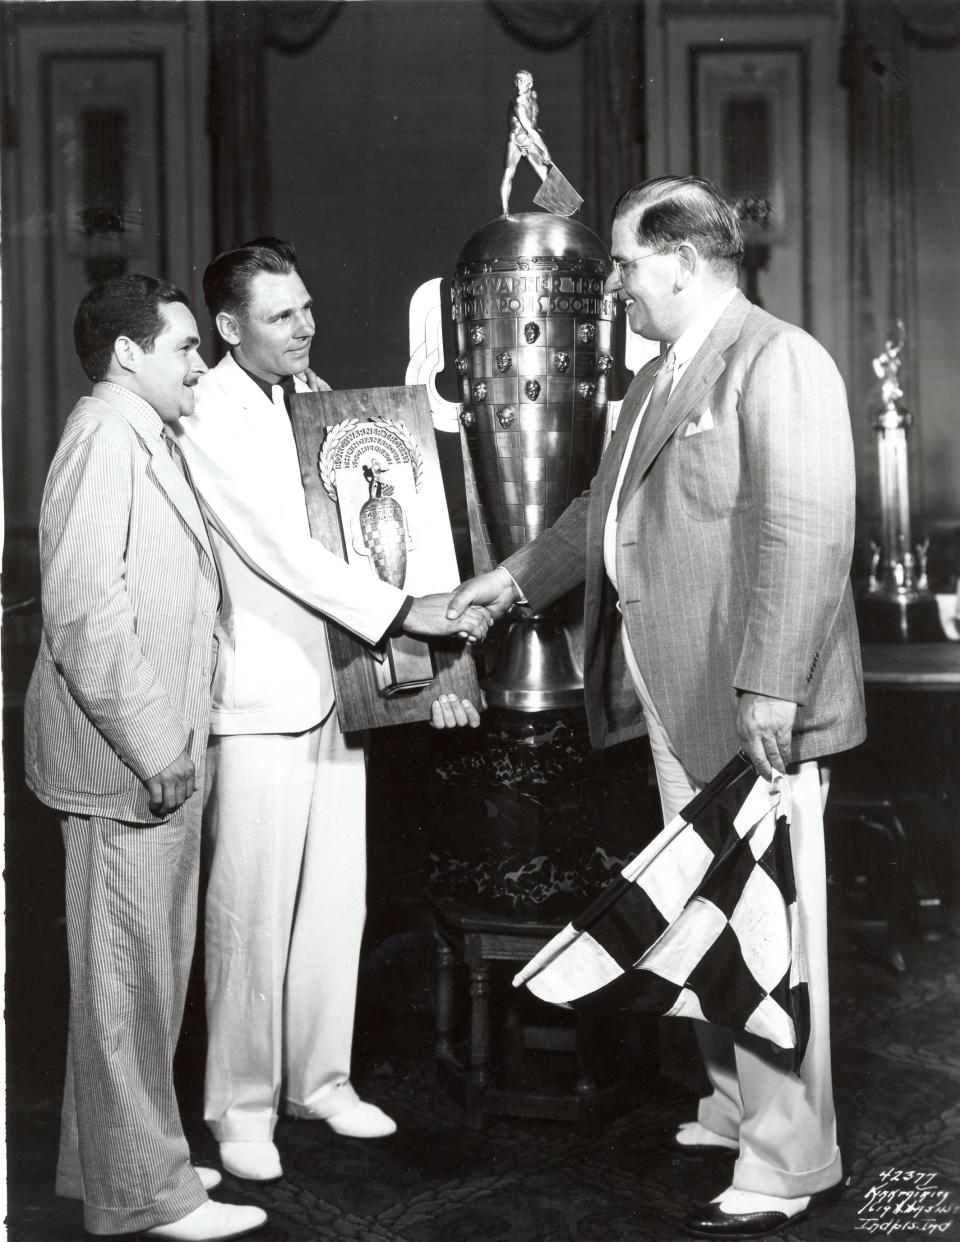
x: 228, y: 278
x: 670, y: 210
x: 121, y: 306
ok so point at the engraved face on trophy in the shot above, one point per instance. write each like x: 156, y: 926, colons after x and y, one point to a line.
x: 561, y: 361
x: 532, y: 389
x: 462, y: 365
x: 585, y: 390
x: 504, y: 362
x: 479, y: 391
x: 531, y: 333
x: 604, y: 364
x: 586, y: 333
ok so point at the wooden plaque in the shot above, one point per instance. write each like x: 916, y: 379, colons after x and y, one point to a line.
x: 432, y: 563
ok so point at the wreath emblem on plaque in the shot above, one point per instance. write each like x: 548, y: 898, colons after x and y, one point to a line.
x: 376, y: 442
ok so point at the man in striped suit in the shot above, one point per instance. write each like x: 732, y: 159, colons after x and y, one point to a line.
x: 715, y: 545
x: 116, y: 724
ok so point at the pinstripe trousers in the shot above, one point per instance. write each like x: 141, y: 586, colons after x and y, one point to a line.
x: 131, y: 906
x: 784, y: 1122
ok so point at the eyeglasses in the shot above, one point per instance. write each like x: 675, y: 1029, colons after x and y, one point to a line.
x: 620, y: 265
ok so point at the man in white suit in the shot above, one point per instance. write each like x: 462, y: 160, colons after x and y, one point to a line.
x: 286, y: 790
x: 116, y: 723
x: 715, y: 543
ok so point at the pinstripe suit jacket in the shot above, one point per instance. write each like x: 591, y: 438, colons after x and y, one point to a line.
x: 733, y: 549
x: 130, y: 595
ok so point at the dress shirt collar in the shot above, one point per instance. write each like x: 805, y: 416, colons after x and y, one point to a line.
x: 288, y: 383
x: 139, y: 413
x: 687, y: 345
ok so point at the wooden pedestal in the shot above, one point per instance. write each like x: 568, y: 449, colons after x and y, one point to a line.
x: 493, y: 1075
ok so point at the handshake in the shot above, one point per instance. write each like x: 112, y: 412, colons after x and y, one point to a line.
x: 468, y: 614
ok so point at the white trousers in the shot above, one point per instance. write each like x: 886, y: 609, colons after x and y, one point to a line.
x: 785, y: 1123
x: 131, y: 906
x: 285, y: 824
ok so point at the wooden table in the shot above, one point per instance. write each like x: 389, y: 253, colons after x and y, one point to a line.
x: 912, y: 666
x: 903, y: 788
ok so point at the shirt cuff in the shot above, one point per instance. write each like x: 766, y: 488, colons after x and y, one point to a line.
x: 395, y: 628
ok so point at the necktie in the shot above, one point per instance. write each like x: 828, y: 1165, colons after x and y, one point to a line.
x: 659, y: 395
x: 288, y: 388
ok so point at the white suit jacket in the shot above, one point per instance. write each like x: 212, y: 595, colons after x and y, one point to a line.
x: 274, y: 672
x: 130, y: 592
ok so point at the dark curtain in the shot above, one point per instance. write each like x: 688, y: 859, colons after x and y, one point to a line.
x: 614, y: 139
x: 240, y: 34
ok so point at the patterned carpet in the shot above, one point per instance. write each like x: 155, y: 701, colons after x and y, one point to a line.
x: 896, y: 1066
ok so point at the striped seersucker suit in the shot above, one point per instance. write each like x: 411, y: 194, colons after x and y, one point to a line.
x: 121, y: 687
x: 733, y: 546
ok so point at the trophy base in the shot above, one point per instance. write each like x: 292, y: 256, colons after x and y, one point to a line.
x: 908, y: 617
x: 537, y: 668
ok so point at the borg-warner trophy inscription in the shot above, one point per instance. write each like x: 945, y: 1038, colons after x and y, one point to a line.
x: 525, y: 140
x: 535, y: 343
x: 371, y: 477
x: 897, y: 605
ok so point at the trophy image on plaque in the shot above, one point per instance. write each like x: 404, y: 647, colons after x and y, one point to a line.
x: 535, y: 340
x: 897, y: 605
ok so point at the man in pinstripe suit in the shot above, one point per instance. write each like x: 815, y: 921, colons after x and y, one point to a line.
x: 715, y: 544
x: 116, y: 725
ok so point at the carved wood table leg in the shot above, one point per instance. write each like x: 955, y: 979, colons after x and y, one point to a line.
x: 445, y: 982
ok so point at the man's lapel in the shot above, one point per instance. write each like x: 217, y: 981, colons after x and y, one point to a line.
x: 703, y: 371
x: 178, y: 491
x: 633, y: 403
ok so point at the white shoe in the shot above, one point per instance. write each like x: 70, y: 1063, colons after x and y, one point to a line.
x: 255, y: 1162
x: 362, y: 1121
x: 210, y: 1179
x: 212, y: 1222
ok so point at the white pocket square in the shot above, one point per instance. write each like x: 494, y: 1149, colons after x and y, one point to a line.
x: 704, y: 423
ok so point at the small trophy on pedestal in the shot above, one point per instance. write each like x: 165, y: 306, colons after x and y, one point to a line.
x: 897, y: 604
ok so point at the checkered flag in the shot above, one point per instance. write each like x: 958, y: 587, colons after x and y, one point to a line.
x: 702, y: 924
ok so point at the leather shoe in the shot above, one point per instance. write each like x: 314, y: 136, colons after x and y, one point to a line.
x: 211, y: 1222
x: 362, y: 1121
x: 252, y: 1161
x: 710, y: 1221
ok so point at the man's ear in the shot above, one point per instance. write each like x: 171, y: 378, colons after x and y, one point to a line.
x: 688, y: 264
x: 228, y: 328
x: 127, y: 354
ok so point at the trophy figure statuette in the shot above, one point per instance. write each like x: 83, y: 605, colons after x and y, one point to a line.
x: 524, y: 140
x: 897, y: 604
x: 535, y: 340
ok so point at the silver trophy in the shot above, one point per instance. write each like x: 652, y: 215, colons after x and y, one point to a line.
x: 535, y: 350
x: 897, y: 605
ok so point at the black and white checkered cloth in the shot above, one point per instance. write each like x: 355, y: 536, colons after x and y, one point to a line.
x: 702, y: 924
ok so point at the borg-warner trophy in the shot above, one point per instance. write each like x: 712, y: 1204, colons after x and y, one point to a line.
x: 535, y: 339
